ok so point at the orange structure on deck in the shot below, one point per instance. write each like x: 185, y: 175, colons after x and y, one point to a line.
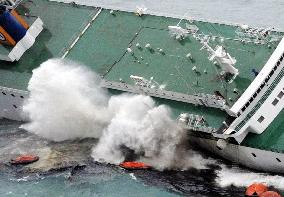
x: 5, y: 38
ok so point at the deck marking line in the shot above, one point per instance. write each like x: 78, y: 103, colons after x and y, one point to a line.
x: 81, y: 34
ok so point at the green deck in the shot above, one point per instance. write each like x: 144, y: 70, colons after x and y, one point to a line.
x: 110, y: 35
x: 5, y: 50
x: 103, y: 49
x: 62, y: 23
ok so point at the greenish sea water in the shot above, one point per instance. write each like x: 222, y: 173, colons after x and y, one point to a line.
x: 67, y: 169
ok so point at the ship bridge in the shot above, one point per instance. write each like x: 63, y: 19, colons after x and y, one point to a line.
x: 262, y: 101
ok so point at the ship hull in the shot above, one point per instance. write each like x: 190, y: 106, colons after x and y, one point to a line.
x: 258, y: 159
x: 11, y: 102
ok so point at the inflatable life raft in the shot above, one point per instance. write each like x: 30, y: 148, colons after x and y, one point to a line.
x: 134, y: 165
x: 24, y: 159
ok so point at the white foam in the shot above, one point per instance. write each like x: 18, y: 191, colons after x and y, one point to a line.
x: 66, y: 102
x: 133, y: 176
x: 243, y: 178
x: 141, y: 126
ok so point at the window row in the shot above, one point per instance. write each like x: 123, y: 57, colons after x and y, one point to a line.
x: 274, y: 102
x: 262, y: 85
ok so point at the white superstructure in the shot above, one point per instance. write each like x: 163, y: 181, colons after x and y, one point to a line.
x: 261, y: 102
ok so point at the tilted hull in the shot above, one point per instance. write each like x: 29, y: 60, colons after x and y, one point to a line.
x: 258, y: 159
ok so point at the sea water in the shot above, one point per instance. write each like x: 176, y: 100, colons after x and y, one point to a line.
x: 255, y: 13
x: 98, y: 179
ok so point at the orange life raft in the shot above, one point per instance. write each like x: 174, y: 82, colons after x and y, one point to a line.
x: 269, y: 194
x: 133, y: 165
x: 256, y: 189
x: 24, y: 159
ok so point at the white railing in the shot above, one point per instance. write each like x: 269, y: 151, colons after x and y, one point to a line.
x: 198, y: 99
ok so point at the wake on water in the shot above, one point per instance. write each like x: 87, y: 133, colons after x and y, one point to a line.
x: 66, y: 102
x: 243, y: 178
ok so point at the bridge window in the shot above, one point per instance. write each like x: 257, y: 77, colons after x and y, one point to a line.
x: 275, y: 102
x: 275, y: 67
x: 262, y: 85
x: 260, y: 119
x: 280, y: 95
x: 271, y: 73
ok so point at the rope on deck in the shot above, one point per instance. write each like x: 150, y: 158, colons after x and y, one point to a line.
x: 81, y: 34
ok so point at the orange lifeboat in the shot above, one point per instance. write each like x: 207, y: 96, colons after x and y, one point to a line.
x: 134, y: 165
x: 256, y: 189
x: 269, y: 194
x: 24, y: 159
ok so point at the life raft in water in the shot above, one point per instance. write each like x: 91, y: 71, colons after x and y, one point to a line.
x: 269, y: 194
x: 256, y: 189
x: 24, y: 159
x: 134, y: 165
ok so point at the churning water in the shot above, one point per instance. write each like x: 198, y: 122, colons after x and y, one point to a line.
x: 79, y: 131
x: 71, y: 109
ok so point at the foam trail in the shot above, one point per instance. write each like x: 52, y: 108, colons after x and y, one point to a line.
x: 243, y: 178
x: 65, y: 102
